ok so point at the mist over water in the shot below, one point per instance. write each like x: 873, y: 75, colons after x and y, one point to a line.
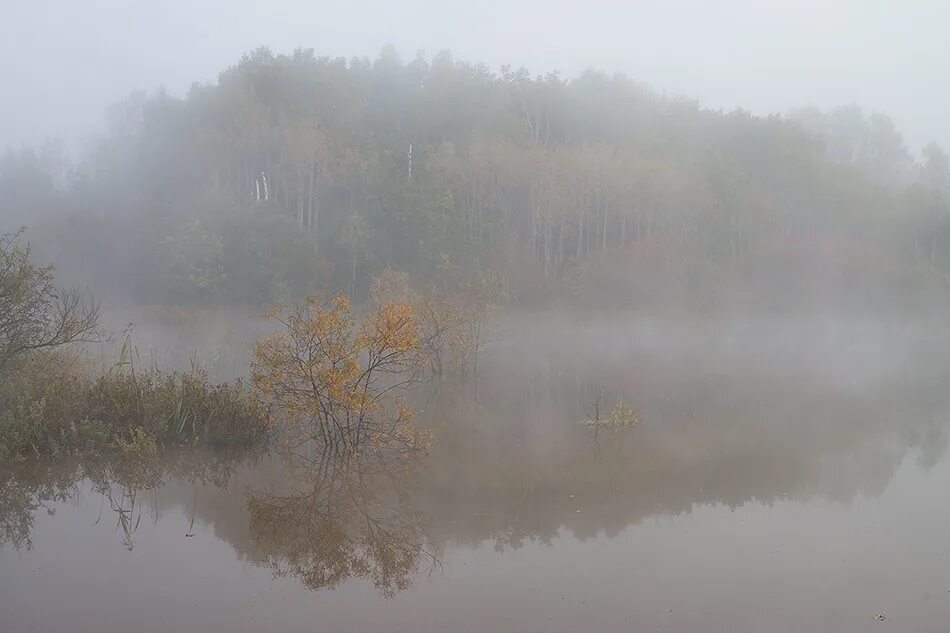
x: 428, y: 319
x: 788, y: 467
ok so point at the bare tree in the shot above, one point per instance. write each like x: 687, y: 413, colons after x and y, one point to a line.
x: 34, y: 314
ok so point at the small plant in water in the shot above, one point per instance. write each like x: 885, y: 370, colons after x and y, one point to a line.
x: 621, y: 418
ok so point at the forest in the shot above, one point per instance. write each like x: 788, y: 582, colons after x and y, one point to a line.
x: 300, y: 174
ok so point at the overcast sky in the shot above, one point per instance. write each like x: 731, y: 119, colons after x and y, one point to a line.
x: 64, y: 61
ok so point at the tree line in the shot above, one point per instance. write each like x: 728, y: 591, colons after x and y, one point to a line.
x: 296, y: 173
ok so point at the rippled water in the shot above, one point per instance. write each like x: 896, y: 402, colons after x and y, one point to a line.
x: 785, y: 476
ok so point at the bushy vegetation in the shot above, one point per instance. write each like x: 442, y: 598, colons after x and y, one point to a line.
x: 296, y: 173
x: 453, y: 326
x: 335, y: 379
x: 34, y: 315
x: 49, y: 408
x: 241, y: 255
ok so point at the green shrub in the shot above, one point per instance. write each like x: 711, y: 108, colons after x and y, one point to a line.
x: 47, y: 409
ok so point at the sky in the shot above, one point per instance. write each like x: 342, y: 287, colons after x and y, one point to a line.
x: 65, y: 61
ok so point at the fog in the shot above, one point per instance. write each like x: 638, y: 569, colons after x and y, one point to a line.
x: 67, y: 61
x: 556, y: 316
x: 761, y: 451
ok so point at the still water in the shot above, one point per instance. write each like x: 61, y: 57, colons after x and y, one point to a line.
x: 784, y: 476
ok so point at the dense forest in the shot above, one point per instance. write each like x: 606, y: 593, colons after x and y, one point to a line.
x: 294, y: 174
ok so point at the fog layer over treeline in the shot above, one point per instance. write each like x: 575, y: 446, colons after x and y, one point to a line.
x: 296, y: 174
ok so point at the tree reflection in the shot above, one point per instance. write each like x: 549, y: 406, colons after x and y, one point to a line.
x: 32, y: 487
x: 28, y: 489
x: 346, y: 517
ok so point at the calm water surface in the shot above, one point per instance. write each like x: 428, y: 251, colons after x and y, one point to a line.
x: 785, y: 476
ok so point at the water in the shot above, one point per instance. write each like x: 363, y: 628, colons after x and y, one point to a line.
x: 785, y: 476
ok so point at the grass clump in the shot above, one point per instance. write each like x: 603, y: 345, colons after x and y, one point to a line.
x: 48, y: 408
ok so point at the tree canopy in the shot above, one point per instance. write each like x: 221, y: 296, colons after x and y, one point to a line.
x: 296, y: 173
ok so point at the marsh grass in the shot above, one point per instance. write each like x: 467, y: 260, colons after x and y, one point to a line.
x: 50, y: 407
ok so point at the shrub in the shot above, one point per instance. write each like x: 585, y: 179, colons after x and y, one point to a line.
x: 34, y: 315
x: 334, y: 379
x: 47, y: 409
x: 454, y: 327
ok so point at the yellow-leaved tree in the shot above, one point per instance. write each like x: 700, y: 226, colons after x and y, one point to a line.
x: 336, y: 379
x: 454, y: 327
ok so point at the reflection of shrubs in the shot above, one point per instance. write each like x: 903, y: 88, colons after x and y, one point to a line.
x: 351, y: 518
x: 47, y: 409
x: 28, y: 487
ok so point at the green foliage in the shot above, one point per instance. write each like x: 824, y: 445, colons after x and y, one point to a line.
x: 448, y: 170
x: 194, y: 260
x: 248, y: 255
x: 48, y: 408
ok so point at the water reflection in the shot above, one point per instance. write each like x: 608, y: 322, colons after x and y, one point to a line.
x: 771, y: 456
x: 128, y: 514
x: 343, y: 517
x: 27, y: 489
x: 513, y: 468
x: 505, y: 480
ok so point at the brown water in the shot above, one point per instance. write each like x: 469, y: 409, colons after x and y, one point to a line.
x: 785, y: 476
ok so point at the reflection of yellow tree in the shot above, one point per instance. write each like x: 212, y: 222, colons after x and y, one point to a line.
x: 351, y: 520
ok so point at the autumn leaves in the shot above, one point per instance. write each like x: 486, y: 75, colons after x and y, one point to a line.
x: 338, y: 379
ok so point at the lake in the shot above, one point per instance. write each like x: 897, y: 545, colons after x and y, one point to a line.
x: 783, y: 475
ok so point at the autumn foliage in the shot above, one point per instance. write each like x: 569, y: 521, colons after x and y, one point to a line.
x: 454, y: 327
x: 336, y: 379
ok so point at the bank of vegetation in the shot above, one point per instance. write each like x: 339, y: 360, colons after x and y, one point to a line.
x: 50, y: 408
x: 53, y: 404
x: 295, y: 174
x: 327, y: 376
x: 427, y: 193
